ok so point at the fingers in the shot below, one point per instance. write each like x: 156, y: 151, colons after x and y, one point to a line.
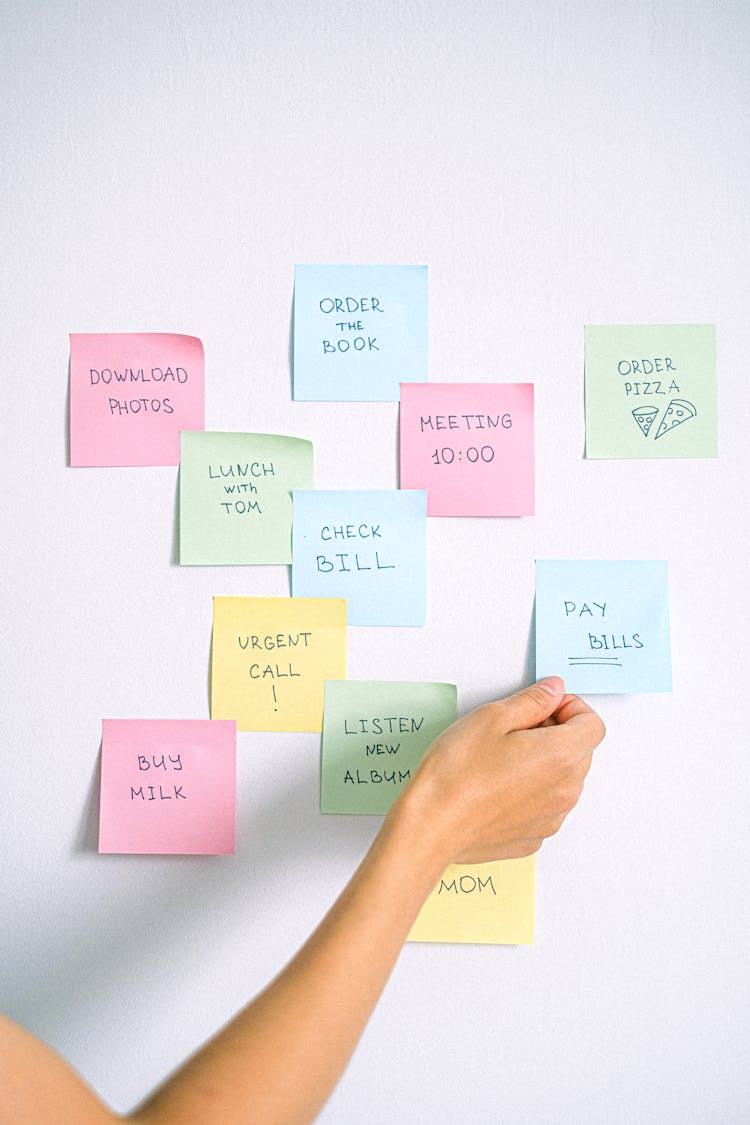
x: 531, y: 706
x: 571, y: 705
x: 582, y: 726
x: 522, y: 848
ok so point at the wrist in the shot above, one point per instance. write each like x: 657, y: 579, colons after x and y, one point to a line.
x: 412, y: 825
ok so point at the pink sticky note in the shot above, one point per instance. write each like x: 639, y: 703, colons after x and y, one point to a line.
x: 168, y: 786
x: 470, y: 445
x: 130, y: 395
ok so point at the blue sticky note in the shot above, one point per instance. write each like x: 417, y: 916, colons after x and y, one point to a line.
x: 603, y: 625
x: 369, y: 547
x: 359, y: 331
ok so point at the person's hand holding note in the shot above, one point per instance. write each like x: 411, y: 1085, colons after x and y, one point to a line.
x: 497, y: 782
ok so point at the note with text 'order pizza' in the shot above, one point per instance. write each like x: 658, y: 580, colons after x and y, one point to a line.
x: 650, y: 390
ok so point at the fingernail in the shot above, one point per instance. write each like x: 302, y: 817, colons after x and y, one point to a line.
x: 552, y: 684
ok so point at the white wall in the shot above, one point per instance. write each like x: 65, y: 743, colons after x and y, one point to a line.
x: 554, y: 164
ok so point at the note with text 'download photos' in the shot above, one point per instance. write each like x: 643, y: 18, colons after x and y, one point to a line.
x: 131, y: 393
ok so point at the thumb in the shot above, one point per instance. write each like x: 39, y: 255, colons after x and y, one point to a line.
x: 532, y: 705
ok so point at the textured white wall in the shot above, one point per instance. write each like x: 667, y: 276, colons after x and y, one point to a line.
x: 554, y: 164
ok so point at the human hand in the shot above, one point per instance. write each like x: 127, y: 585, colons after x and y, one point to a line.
x: 495, y: 784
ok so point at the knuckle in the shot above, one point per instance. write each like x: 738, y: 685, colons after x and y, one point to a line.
x: 564, y: 757
x: 573, y: 795
x: 490, y: 713
x: 573, y: 791
x: 565, y: 797
x: 598, y: 730
x: 555, y: 825
x: 535, y: 695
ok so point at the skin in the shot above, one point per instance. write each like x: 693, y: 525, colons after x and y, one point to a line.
x: 492, y: 786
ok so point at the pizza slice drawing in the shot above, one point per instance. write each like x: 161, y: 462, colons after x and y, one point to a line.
x: 644, y: 416
x: 678, y: 411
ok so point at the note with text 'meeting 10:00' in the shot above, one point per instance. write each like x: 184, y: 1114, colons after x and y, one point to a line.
x: 470, y: 446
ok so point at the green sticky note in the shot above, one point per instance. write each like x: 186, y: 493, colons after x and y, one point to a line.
x: 374, y: 735
x: 236, y: 496
x: 650, y: 390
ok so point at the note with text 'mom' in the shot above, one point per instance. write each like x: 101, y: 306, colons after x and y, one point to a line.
x: 130, y: 395
x: 470, y: 445
x: 270, y: 658
x: 168, y: 786
x: 650, y: 390
x: 236, y: 496
x: 484, y: 904
x: 603, y: 625
x: 366, y: 546
x: 375, y: 733
x: 358, y: 331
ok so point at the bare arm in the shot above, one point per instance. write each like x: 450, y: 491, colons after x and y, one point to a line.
x: 277, y: 1062
x: 492, y: 786
x: 38, y: 1088
x: 489, y: 788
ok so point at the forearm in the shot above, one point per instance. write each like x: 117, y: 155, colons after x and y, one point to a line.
x: 277, y: 1062
x: 492, y: 786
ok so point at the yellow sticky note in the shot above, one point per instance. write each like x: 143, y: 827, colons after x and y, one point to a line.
x: 270, y: 659
x: 484, y: 903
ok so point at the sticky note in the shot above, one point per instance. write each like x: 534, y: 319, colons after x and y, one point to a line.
x: 651, y: 390
x: 270, y: 658
x: 358, y: 331
x: 168, y: 786
x: 366, y: 546
x: 603, y: 625
x: 130, y: 395
x: 375, y: 733
x: 486, y: 903
x: 236, y: 496
x: 470, y: 445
